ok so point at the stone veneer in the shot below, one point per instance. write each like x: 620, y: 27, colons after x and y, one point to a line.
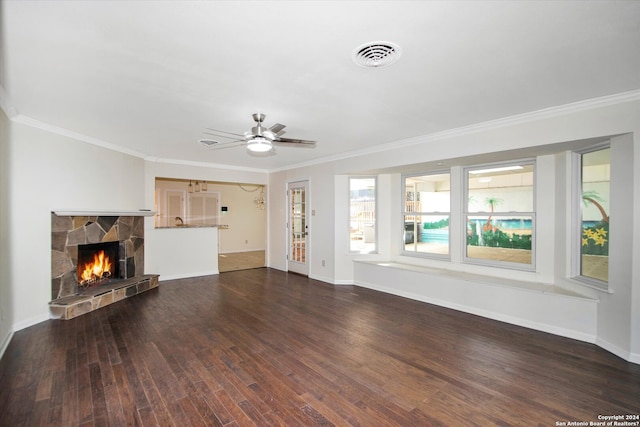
x: 67, y: 232
x: 101, y: 296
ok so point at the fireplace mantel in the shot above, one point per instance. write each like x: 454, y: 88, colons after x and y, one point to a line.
x: 71, y: 212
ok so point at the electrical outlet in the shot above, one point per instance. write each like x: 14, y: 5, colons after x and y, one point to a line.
x: 323, y: 263
x: 246, y: 242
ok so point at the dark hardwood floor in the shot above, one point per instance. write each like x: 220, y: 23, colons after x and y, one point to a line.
x: 268, y: 348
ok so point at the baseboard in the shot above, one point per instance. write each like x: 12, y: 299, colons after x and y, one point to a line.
x: 241, y: 251
x: 580, y: 336
x: 165, y: 277
x: 5, y: 343
x: 624, y: 354
x: 30, y: 322
x: 321, y: 278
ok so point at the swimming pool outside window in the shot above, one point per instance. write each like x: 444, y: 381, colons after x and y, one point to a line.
x: 426, y: 214
x: 500, y: 214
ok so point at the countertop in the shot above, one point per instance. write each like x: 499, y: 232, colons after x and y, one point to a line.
x: 194, y: 226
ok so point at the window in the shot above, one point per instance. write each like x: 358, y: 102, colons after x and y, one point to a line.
x: 426, y: 214
x: 362, y: 215
x: 500, y: 214
x: 594, y: 216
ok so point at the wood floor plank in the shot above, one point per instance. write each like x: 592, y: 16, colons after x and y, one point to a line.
x: 263, y: 347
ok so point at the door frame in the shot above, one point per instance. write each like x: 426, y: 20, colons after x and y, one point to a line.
x: 307, y: 184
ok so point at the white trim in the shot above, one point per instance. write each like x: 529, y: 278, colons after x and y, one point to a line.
x: 13, y: 115
x: 243, y: 251
x: 28, y: 121
x: 624, y: 354
x: 308, y: 223
x: 6, y: 105
x: 165, y: 277
x: 205, y: 165
x: 5, y: 343
x: 544, y: 113
x: 485, y: 313
x: 321, y: 278
x: 31, y: 321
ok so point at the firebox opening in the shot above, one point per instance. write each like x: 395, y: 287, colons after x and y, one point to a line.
x: 98, y: 263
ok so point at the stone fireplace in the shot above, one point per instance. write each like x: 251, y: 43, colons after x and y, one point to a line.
x: 95, y: 261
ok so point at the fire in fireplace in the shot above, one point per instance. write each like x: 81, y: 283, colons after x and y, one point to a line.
x: 97, y: 263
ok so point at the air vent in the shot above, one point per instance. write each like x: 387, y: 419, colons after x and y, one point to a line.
x: 376, y: 54
x: 208, y: 142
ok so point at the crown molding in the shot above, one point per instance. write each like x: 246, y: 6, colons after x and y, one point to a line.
x: 28, y: 121
x: 204, y: 164
x: 545, y: 113
x: 14, y: 116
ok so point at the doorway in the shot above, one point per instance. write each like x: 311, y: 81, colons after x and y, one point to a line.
x: 298, y: 227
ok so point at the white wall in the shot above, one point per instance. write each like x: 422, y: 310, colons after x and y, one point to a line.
x: 49, y: 172
x: 177, y: 253
x: 617, y: 318
x: 6, y: 290
x: 246, y: 221
x: 320, y: 242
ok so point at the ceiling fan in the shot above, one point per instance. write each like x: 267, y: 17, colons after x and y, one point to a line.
x: 259, y: 140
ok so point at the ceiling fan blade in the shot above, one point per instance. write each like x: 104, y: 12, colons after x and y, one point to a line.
x: 222, y: 136
x: 289, y: 142
x: 223, y: 145
x: 277, y: 128
x: 295, y: 141
x: 224, y: 131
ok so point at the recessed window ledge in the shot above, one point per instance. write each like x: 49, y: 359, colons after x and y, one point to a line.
x: 584, y: 285
x: 547, y: 288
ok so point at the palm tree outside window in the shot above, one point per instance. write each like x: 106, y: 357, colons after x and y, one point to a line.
x: 500, y: 214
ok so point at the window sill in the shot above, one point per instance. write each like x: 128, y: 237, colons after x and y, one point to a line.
x: 546, y: 288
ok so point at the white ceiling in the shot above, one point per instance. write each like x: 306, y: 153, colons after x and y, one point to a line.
x: 150, y: 76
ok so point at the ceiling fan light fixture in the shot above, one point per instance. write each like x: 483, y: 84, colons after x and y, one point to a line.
x: 259, y: 145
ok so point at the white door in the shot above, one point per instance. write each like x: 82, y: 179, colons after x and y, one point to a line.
x: 175, y: 212
x: 298, y: 227
x: 203, y: 208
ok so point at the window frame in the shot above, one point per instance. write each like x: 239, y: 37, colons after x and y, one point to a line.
x: 404, y: 213
x: 466, y: 214
x: 375, y: 213
x: 576, y: 218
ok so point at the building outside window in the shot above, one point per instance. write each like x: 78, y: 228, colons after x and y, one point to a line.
x: 426, y: 214
x: 594, y: 216
x: 500, y: 214
x: 362, y: 214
